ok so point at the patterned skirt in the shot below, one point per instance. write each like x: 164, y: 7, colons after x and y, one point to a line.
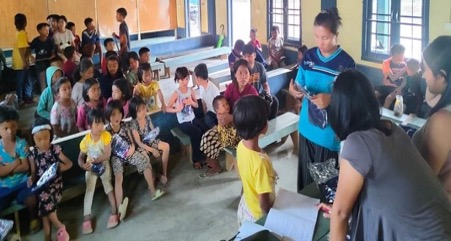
x: 210, y: 143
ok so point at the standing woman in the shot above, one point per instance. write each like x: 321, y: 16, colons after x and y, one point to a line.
x: 433, y: 140
x: 320, y: 66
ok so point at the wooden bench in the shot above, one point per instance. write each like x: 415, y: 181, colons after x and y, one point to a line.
x: 156, y: 67
x: 220, y: 77
x: 278, y: 129
x: 185, y: 142
x: 212, y: 67
x: 197, y: 56
x: 13, y: 209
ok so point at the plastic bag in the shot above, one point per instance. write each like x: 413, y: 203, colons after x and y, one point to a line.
x: 5, y: 228
x: 317, y: 117
x: 151, y: 136
x: 120, y: 147
x: 325, y: 174
x: 97, y: 168
x: 48, y: 175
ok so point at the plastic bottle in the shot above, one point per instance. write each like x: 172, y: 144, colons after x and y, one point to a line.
x: 399, y: 106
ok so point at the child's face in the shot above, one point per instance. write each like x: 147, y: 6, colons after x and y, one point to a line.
x: 89, y: 73
x: 184, y: 82
x: 147, y: 77
x: 112, y: 66
x: 116, y: 117
x: 42, y: 139
x: 73, y: 30
x: 44, y: 31
x: 65, y: 91
x: 274, y: 34
x: 53, y: 23
x: 145, y: 57
x: 58, y: 74
x: 8, y: 130
x: 97, y: 127
x: 90, y: 26
x: 94, y: 92
x: 142, y: 112
x: 116, y: 93
x: 300, y: 56
x: 250, y: 58
x: 253, y: 36
x: 242, y: 75
x: 109, y: 46
x: 58, y: 64
x: 223, y: 107
x: 134, y: 64
x: 61, y: 24
x: 398, y: 58
x: 119, y: 17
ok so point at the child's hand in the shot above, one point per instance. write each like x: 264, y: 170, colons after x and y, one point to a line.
x: 87, y: 166
x: 155, y: 152
x: 179, y: 107
x: 163, y: 108
x: 326, y: 208
x: 115, y: 35
x: 31, y: 180
x: 136, y: 91
x: 131, y: 151
x: 322, y: 101
x: 188, y: 101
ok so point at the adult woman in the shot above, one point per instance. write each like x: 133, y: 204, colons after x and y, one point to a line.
x: 383, y: 178
x: 433, y: 140
x: 317, y: 141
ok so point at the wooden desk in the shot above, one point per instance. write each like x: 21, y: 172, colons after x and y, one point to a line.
x: 413, y: 121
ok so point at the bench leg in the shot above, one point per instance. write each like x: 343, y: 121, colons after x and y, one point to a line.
x: 167, y: 72
x: 16, y: 219
x: 230, y: 161
x: 295, y: 138
x: 156, y: 75
x: 188, y: 150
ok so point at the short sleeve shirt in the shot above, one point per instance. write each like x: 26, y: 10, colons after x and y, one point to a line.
x: 65, y: 117
x: 208, y: 94
x: 6, y: 159
x: 258, y: 76
x: 123, y: 29
x: 149, y: 94
x: 42, y: 49
x: 63, y: 40
x: 88, y: 144
x: 21, y: 42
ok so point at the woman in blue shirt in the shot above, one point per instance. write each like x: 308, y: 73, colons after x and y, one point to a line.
x: 313, y: 84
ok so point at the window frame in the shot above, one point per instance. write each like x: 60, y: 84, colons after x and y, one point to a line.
x: 286, y: 40
x: 367, y: 54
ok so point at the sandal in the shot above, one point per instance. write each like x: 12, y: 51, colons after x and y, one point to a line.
x: 158, y: 193
x: 209, y: 173
x: 113, y: 221
x: 62, y: 234
x: 87, y: 227
x: 122, y: 210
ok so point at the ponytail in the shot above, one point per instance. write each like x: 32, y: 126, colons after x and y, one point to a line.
x: 329, y: 19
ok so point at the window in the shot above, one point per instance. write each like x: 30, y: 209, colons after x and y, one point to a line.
x: 287, y: 15
x: 394, y: 21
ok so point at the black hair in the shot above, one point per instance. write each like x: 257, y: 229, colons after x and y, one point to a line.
x: 56, y: 86
x: 86, y: 86
x: 236, y: 65
x: 122, y: 11
x: 69, y: 52
x: 63, y: 18
x: 107, y: 40
x: 69, y: 25
x: 216, y: 100
x: 437, y: 55
x: 88, y: 21
x: 110, y: 53
x: 303, y: 49
x: 135, y: 102
x: 413, y: 64
x: 8, y: 114
x: 84, y: 65
x: 53, y: 17
x: 56, y: 58
x: 275, y: 28
x: 397, y: 49
x: 111, y: 106
x: 145, y: 67
x: 239, y: 44
x: 329, y: 19
x: 354, y: 106
x: 143, y: 50
x: 87, y: 57
x: 39, y: 121
x: 133, y: 55
x: 248, y: 49
x: 250, y: 116
x: 201, y: 71
x: 123, y: 85
x: 20, y: 21
x: 112, y: 58
x: 41, y: 26
x: 96, y: 115
x: 180, y: 73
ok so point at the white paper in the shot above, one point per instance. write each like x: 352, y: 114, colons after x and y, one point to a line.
x: 296, y: 204
x: 247, y: 229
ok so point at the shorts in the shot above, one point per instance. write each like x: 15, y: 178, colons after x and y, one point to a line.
x: 41, y: 66
x: 244, y: 213
x: 18, y: 193
x: 139, y: 159
x: 154, y: 145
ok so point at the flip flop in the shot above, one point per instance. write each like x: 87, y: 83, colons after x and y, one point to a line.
x: 112, y: 221
x: 158, y: 194
x: 123, y: 209
x: 206, y: 173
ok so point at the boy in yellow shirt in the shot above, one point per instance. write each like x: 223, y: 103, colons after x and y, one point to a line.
x: 250, y: 118
x: 149, y: 89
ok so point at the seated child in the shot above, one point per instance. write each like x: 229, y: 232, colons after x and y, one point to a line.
x: 108, y: 43
x: 250, y: 118
x: 63, y: 116
x: 11, y: 101
x: 69, y: 67
x: 42, y: 156
x: 93, y: 100
x: 235, y: 55
x: 149, y: 89
x: 134, y: 75
x: 122, y: 93
x: 56, y: 61
x: 114, y: 73
x: 85, y: 71
x: 207, y: 91
x: 14, y: 167
x: 219, y: 137
x: 95, y: 152
x: 135, y: 156
x: 48, y: 96
x: 141, y: 125
x: 275, y: 49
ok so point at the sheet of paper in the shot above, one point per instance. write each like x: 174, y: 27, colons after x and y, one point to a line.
x: 247, y: 229
x: 297, y: 205
x: 291, y: 228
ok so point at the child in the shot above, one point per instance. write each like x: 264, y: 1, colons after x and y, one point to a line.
x: 85, y: 71
x: 14, y: 167
x: 235, y: 55
x: 240, y: 85
x: 254, y: 41
x: 90, y: 40
x: 182, y: 102
x: 69, y: 67
x: 275, y: 47
x: 122, y: 93
x: 134, y: 75
x: 63, y: 116
x: 220, y: 137
x: 43, y: 155
x: 250, y: 118
x: 71, y: 26
x: 11, y: 101
x: 108, y: 43
x: 63, y: 37
x: 20, y: 61
x: 301, y: 52
x: 56, y: 61
x: 207, y: 91
x: 136, y: 156
x: 47, y: 98
x: 44, y: 48
x: 52, y: 21
x: 393, y: 70
x: 144, y: 55
x: 93, y: 100
x: 124, y: 37
x: 114, y: 73
x: 95, y: 152
x: 148, y: 89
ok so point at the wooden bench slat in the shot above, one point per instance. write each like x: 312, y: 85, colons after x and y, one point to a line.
x: 184, y: 138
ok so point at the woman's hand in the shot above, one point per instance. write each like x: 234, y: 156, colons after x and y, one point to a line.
x: 326, y: 208
x: 294, y: 92
x: 322, y: 101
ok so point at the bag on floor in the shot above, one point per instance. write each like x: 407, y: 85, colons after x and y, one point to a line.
x: 325, y: 175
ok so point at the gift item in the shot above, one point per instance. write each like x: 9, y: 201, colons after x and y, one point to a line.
x: 325, y: 175
x: 120, y: 147
x: 399, y: 106
x: 151, y: 136
x: 317, y: 116
x: 48, y: 175
x: 97, y: 168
